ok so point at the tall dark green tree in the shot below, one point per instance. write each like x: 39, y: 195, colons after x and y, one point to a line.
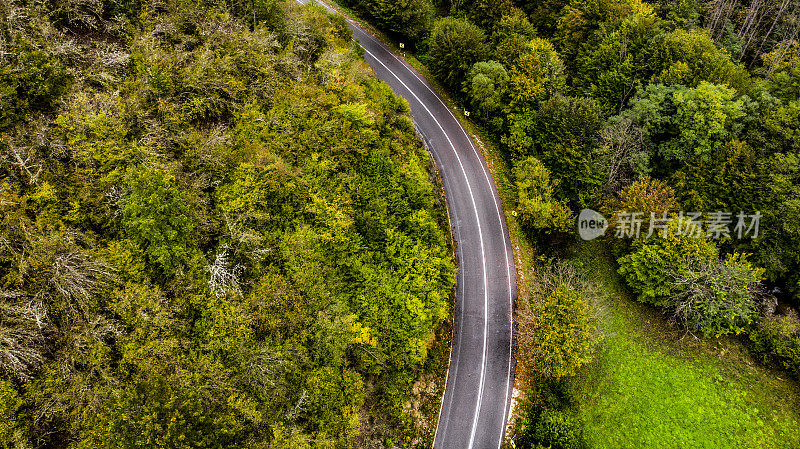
x: 455, y: 45
x: 563, y: 134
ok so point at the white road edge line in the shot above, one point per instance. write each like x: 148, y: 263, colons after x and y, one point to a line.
x: 505, y: 239
x: 483, y: 253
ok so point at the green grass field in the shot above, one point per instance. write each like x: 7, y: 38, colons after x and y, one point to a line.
x: 653, y: 386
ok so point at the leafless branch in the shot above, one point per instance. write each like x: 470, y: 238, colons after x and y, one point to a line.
x: 22, y: 322
x: 224, y: 279
x: 23, y: 158
x: 621, y: 140
x: 76, y: 277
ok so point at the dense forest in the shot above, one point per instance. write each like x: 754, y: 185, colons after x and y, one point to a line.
x: 634, y: 106
x: 219, y: 229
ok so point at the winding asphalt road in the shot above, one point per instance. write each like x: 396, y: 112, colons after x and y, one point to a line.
x: 480, y: 378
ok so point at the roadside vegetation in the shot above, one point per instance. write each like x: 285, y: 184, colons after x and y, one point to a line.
x: 217, y: 229
x: 652, y: 107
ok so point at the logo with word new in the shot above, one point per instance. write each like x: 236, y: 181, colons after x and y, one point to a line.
x: 591, y: 224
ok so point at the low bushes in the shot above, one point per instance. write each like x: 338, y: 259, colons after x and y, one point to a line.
x: 559, y: 429
x: 647, y: 267
x: 557, y: 336
x: 685, y: 275
x: 777, y: 339
x: 711, y: 295
x: 562, y: 340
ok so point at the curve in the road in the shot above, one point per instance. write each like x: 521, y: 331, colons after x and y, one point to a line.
x: 480, y: 377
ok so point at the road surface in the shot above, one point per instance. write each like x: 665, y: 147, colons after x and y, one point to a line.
x: 480, y: 378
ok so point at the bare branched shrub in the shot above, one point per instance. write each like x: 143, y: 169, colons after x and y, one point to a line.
x: 165, y: 27
x: 215, y: 138
x: 113, y: 58
x: 299, y: 406
x: 245, y: 237
x: 76, y: 276
x: 113, y: 197
x: 331, y: 64
x: 17, y: 304
x: 539, y: 323
x: 58, y: 268
x: 548, y: 279
x: 776, y: 59
x: 221, y: 28
x: 265, y: 367
x: 22, y: 158
x: 758, y: 24
x: 265, y: 41
x: 622, y: 145
x: 70, y: 51
x: 718, y: 13
x: 309, y: 43
x: 22, y: 342
x: 40, y: 134
x: 224, y: 279
x: 214, y: 146
x: 15, y: 18
x: 20, y: 352
x: 152, y: 142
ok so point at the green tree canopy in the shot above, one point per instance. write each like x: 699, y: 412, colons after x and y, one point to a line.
x: 455, y: 45
x: 536, y: 76
x: 680, y: 122
x: 562, y: 340
x: 485, y: 86
x: 155, y: 217
x: 647, y: 268
x: 537, y: 209
x: 715, y: 297
x: 563, y: 135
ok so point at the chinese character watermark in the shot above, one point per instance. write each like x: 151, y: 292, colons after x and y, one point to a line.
x: 629, y: 225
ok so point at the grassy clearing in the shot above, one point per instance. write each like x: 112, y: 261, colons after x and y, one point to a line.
x: 653, y: 386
